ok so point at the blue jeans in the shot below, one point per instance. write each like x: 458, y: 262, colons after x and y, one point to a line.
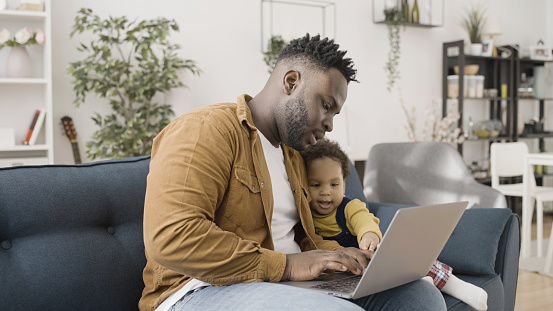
x: 417, y: 295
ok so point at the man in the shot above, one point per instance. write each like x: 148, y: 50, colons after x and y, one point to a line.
x: 226, y: 206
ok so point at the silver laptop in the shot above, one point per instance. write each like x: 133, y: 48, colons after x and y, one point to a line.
x: 412, y: 243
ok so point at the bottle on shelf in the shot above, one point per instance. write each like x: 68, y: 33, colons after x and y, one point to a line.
x: 415, y: 13
x: 405, y: 10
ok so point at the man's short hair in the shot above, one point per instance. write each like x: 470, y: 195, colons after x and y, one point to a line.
x: 322, y: 52
x: 325, y: 148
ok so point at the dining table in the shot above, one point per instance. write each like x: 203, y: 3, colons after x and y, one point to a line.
x: 543, y: 158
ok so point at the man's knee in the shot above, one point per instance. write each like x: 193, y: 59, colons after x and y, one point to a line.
x: 305, y: 299
x: 422, y: 295
x: 417, y: 295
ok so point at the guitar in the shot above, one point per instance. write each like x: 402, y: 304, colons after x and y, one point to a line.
x: 72, y: 135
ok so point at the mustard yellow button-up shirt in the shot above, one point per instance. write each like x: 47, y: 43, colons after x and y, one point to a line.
x: 209, y: 204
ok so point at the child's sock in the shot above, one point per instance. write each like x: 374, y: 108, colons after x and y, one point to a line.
x: 470, y: 294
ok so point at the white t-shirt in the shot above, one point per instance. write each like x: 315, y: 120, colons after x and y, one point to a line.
x: 285, y: 216
x: 285, y: 212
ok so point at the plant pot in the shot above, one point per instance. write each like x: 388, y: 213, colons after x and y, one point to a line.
x: 476, y: 49
x: 19, y: 63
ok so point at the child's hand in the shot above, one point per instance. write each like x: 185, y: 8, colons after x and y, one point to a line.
x: 369, y: 241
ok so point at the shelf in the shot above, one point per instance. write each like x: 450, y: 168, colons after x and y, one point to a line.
x: 480, y: 98
x: 431, y: 12
x: 17, y: 16
x: 23, y: 81
x: 535, y: 98
x: 535, y: 61
x: 412, y: 24
x: 20, y: 97
x: 536, y: 135
x: 25, y: 148
x: 488, y: 139
x: 468, y: 56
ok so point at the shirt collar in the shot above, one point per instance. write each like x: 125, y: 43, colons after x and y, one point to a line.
x: 243, y: 111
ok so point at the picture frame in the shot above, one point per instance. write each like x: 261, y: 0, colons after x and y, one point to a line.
x: 540, y: 52
x: 487, y: 47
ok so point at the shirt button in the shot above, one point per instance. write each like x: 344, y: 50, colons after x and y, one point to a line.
x: 262, y: 185
x: 253, y: 187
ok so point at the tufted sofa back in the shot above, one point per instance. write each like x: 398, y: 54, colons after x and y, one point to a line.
x: 71, y: 236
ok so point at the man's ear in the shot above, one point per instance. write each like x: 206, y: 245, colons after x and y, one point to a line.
x: 290, y: 81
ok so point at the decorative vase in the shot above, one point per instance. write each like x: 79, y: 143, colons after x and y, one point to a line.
x: 476, y: 49
x: 405, y: 10
x: 19, y: 63
x: 415, y: 15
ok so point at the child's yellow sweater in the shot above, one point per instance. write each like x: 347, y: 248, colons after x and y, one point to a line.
x: 359, y: 221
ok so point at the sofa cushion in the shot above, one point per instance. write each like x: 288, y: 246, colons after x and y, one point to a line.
x: 72, y: 231
x: 478, y: 229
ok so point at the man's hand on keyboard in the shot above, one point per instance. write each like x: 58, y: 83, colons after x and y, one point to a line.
x: 309, y: 265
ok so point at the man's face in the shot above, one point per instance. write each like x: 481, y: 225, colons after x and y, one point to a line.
x: 308, y: 114
x: 326, y: 185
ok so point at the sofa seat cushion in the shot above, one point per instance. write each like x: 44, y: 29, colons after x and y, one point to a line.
x: 492, y: 284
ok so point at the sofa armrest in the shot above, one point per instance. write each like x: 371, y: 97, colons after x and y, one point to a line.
x: 507, y: 260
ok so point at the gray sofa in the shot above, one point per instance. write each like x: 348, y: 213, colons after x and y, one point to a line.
x: 71, y: 239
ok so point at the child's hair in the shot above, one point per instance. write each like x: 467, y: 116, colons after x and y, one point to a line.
x: 326, y: 148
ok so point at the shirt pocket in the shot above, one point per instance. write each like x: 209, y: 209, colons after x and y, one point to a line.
x: 244, y: 206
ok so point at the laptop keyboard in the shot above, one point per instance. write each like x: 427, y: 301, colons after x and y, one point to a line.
x: 346, y: 285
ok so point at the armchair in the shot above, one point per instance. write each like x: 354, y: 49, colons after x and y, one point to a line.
x: 423, y: 173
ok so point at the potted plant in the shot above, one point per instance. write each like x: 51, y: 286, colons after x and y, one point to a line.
x: 473, y: 23
x: 127, y: 63
x: 275, y: 44
x: 394, y: 17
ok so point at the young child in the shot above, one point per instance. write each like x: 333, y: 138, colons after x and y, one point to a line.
x: 350, y: 223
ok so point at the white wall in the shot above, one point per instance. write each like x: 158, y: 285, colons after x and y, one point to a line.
x: 224, y: 38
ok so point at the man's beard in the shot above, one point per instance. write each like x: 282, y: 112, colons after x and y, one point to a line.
x: 296, y: 122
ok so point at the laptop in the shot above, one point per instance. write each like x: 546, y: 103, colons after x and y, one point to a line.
x: 411, y: 245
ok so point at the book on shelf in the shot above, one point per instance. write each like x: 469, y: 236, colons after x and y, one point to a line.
x: 39, y: 7
x: 31, y: 128
x: 38, y: 126
x: 7, y: 137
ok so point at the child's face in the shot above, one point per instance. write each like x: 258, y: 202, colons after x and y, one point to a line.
x: 326, y: 185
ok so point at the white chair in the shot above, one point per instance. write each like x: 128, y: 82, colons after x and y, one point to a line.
x: 549, y: 257
x: 508, y: 160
